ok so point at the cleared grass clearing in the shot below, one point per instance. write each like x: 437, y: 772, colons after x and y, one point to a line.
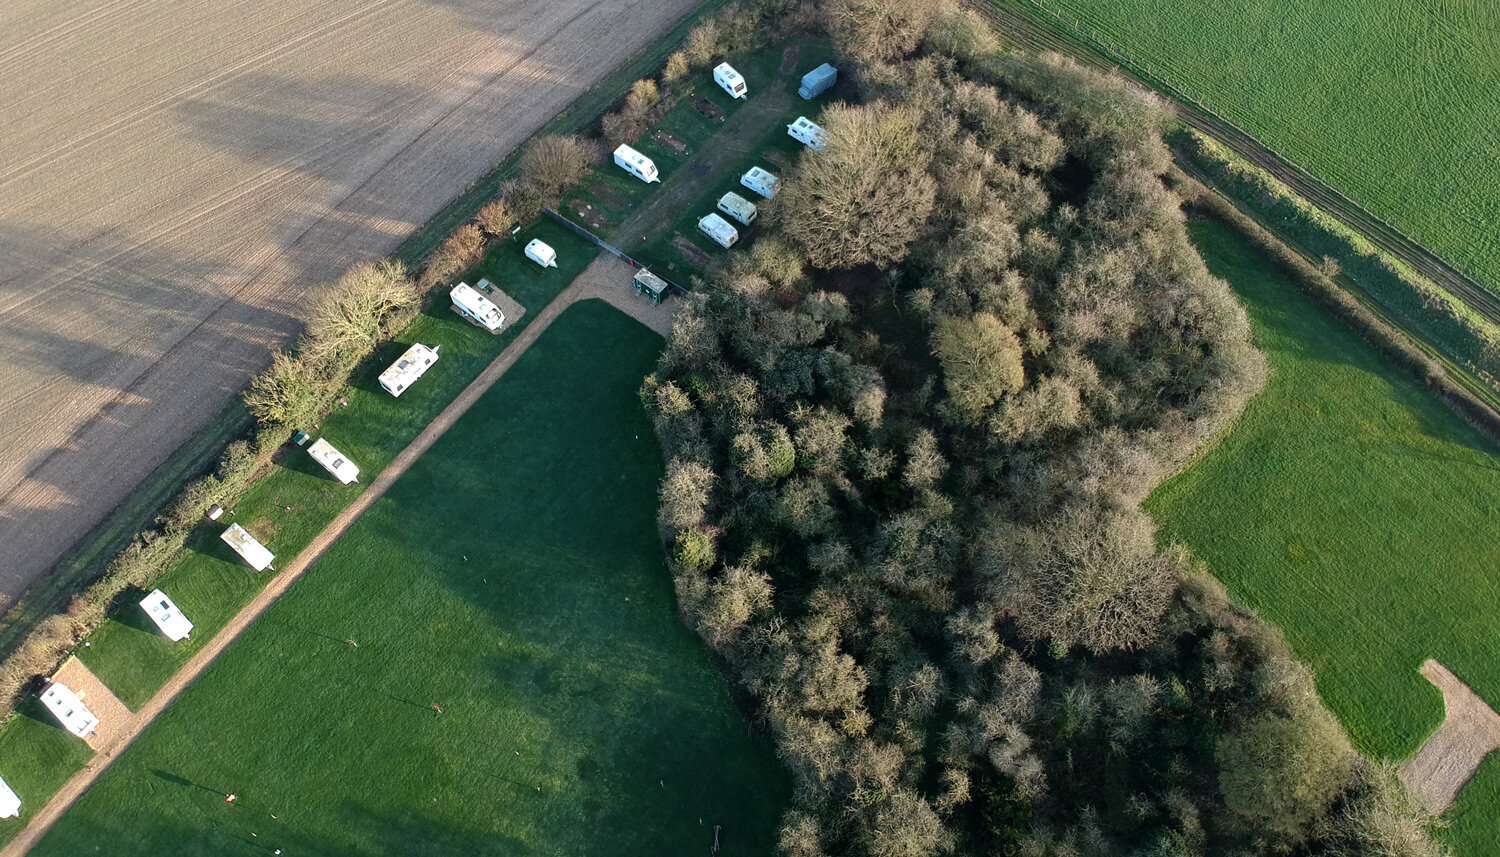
x: 1391, y: 103
x: 491, y: 580
x: 1355, y: 511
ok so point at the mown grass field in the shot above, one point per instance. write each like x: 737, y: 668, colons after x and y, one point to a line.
x: 1354, y: 510
x: 1392, y: 103
x: 514, y: 578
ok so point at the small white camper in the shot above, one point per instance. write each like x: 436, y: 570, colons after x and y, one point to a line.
x: 738, y: 207
x: 719, y: 230
x: 247, y: 547
x: 333, y: 461
x: 541, y: 253
x: 761, y: 181
x: 69, y: 710
x: 807, y: 132
x: 732, y: 81
x: 10, y: 802
x: 636, y: 164
x: 408, y: 368
x: 166, y: 615
x: 477, y: 308
x: 817, y: 81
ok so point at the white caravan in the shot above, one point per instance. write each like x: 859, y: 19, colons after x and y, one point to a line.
x: 808, y: 133
x: 10, y: 802
x: 732, y: 81
x: 69, y: 710
x: 738, y: 207
x: 333, y: 461
x: 166, y: 615
x: 477, y: 308
x: 719, y: 230
x: 541, y: 253
x: 408, y: 368
x: 247, y: 547
x: 761, y: 181
x: 636, y: 164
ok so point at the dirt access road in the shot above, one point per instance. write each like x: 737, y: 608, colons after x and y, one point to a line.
x: 175, y: 174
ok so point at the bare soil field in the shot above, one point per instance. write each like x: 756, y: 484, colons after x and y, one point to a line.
x: 175, y: 175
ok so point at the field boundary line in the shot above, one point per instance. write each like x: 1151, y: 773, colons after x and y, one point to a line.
x: 589, y: 284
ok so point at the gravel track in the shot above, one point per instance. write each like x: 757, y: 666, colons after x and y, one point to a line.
x: 175, y: 175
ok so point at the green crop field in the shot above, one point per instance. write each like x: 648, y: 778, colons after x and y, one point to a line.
x: 1392, y: 103
x: 1354, y: 510
x: 512, y: 577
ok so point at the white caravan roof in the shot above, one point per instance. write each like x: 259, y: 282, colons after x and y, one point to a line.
x: 333, y: 461
x: 541, y: 253
x: 738, y: 207
x: 408, y: 368
x: 69, y: 710
x: 10, y: 802
x: 809, y: 132
x: 247, y: 547
x: 166, y: 615
x: 644, y: 165
x: 763, y: 182
x: 732, y: 81
x: 719, y: 230
x: 477, y: 307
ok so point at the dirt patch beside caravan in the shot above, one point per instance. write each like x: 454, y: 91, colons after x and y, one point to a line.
x: 670, y: 142
x: 604, y: 194
x: 707, y: 108
x: 691, y: 251
x: 789, y: 59
x: 780, y: 159
x: 587, y: 213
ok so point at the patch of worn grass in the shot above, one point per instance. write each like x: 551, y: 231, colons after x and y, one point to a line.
x: 1354, y: 510
x: 512, y: 577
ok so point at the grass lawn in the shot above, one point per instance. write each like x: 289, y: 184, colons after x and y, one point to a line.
x: 513, y: 576
x: 1354, y: 510
x: 1390, y: 102
x: 211, y: 584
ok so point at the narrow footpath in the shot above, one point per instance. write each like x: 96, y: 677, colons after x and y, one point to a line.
x: 606, y: 279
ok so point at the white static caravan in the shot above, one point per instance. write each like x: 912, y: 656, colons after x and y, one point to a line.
x: 719, y: 230
x: 636, y: 164
x: 730, y: 80
x: 541, y: 253
x: 10, y: 802
x: 166, y: 615
x: 247, y: 547
x: 333, y: 461
x: 761, y: 181
x: 817, y: 81
x: 738, y: 207
x: 69, y: 710
x: 408, y: 368
x: 808, y: 133
x: 477, y: 308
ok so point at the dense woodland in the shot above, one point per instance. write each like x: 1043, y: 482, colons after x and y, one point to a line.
x: 908, y: 435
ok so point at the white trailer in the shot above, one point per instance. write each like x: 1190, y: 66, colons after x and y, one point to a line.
x: 333, y: 461
x: 166, y: 615
x: 719, y: 230
x: 731, y: 81
x: 817, y: 81
x: 808, y: 133
x: 10, y: 802
x: 477, y: 308
x: 738, y: 207
x: 541, y: 253
x: 761, y: 181
x: 69, y: 710
x: 408, y: 368
x: 636, y: 164
x: 247, y: 547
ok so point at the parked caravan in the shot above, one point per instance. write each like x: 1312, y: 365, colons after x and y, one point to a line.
x: 166, y: 615
x: 541, y: 253
x: 10, y: 802
x: 762, y: 182
x: 247, y: 547
x: 807, y: 132
x: 477, y: 308
x: 732, y: 81
x: 333, y: 461
x: 817, y: 81
x: 69, y: 710
x: 636, y: 164
x: 408, y: 368
x: 719, y: 230
x: 738, y: 207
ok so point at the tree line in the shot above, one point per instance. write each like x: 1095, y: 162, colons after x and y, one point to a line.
x: 908, y: 435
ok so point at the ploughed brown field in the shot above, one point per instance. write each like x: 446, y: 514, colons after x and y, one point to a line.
x: 175, y: 174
